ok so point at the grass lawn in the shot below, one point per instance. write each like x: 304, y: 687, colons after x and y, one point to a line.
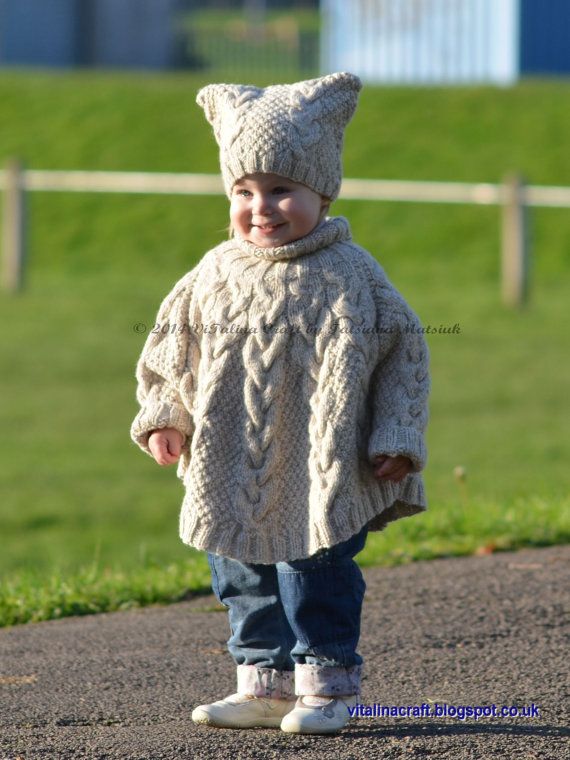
x: 87, y: 521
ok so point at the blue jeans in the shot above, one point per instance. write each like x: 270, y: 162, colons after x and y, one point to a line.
x: 305, y: 612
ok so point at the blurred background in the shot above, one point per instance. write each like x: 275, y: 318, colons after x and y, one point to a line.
x: 469, y: 92
x: 382, y: 40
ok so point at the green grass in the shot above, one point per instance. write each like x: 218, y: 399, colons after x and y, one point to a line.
x: 87, y: 521
x: 31, y: 597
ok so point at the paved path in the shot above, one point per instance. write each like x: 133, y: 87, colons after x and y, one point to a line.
x: 473, y: 631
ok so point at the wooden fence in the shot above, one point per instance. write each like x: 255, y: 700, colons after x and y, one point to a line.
x: 512, y: 195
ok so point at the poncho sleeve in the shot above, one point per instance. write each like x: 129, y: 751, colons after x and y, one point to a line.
x: 400, y: 383
x: 163, y: 372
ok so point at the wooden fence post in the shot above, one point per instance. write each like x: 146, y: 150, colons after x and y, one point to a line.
x: 515, y: 256
x: 13, y: 227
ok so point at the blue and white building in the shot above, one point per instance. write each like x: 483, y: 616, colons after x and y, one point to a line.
x: 446, y: 41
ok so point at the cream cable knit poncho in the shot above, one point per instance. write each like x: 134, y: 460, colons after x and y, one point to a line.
x: 287, y: 369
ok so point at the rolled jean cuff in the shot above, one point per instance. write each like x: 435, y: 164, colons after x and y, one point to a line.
x: 265, y: 682
x: 323, y: 681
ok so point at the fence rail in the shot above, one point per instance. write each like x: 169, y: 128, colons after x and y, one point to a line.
x: 512, y: 195
x: 481, y: 193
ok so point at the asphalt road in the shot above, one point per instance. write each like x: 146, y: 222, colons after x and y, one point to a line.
x: 466, y: 632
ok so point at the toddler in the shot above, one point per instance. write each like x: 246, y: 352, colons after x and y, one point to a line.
x: 288, y: 379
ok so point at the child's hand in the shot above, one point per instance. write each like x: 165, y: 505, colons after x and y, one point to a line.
x: 166, y: 445
x: 392, y: 468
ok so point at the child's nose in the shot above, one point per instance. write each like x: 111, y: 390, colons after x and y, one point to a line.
x: 262, y: 203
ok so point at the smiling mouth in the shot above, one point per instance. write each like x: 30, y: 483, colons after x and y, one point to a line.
x: 268, y: 227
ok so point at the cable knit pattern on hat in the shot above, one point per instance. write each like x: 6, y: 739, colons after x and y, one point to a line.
x: 287, y: 369
x: 294, y: 130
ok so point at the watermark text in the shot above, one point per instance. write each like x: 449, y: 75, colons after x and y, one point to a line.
x: 444, y: 710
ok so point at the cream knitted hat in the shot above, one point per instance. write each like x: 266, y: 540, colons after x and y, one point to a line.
x: 295, y: 130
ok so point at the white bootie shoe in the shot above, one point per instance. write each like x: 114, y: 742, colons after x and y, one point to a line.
x: 318, y: 715
x: 244, y: 711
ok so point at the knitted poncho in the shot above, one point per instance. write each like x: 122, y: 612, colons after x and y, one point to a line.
x: 287, y: 369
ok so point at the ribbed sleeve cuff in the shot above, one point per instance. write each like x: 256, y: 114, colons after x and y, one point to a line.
x: 160, y: 415
x: 399, y: 440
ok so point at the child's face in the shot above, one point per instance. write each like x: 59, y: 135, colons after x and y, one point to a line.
x: 269, y: 210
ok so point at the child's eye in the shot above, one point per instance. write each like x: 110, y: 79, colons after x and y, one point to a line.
x: 280, y: 189
x: 243, y: 192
